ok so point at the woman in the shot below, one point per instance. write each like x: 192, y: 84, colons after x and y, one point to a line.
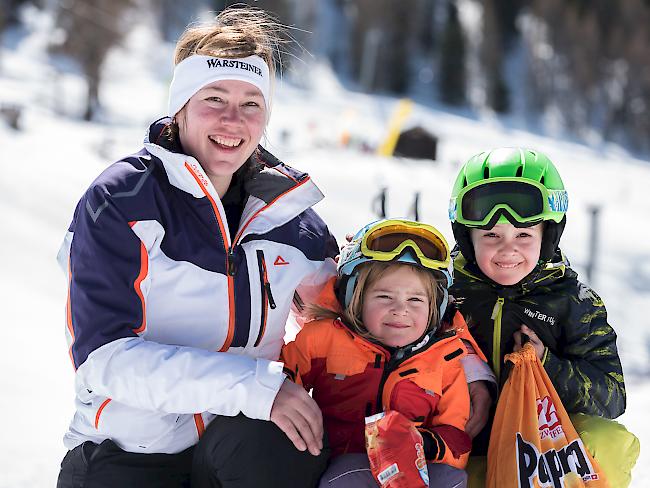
x: 183, y: 262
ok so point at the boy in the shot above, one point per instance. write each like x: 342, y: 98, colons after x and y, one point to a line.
x: 513, y: 284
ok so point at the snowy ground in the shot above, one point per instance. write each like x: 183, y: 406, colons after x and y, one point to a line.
x: 45, y: 167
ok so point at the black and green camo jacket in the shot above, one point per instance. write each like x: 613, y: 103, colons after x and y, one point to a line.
x: 570, y: 319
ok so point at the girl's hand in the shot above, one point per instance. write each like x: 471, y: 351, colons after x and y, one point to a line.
x: 534, y: 340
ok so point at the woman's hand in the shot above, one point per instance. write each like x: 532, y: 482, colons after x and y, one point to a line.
x: 480, y: 399
x: 298, y: 416
x: 534, y: 340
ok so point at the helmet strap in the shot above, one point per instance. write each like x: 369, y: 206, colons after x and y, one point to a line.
x: 463, y: 241
x: 443, y: 306
x: 346, y: 290
x: 551, y: 239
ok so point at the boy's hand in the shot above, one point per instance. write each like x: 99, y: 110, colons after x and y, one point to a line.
x: 480, y: 400
x: 298, y: 416
x: 532, y: 337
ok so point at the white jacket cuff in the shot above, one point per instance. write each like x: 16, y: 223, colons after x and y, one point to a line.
x: 268, y: 378
x: 476, y: 369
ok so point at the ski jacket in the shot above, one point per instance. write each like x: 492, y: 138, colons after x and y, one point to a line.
x: 169, y: 321
x: 581, y: 357
x: 353, y: 377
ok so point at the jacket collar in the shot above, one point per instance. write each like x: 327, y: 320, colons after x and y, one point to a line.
x: 267, y: 181
x: 398, y: 355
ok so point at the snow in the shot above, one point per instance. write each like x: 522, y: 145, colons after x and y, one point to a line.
x: 45, y: 167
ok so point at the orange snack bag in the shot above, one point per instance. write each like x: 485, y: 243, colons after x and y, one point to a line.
x: 396, y: 451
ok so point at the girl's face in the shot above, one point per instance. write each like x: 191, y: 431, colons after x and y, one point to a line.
x: 396, y: 307
x: 507, y: 254
x: 221, y: 125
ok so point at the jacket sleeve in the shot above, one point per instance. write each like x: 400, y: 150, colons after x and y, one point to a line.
x: 586, y: 370
x: 105, y: 312
x: 297, y: 357
x: 444, y: 433
x: 320, y: 247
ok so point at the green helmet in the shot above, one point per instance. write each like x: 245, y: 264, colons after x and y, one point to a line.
x: 508, y: 185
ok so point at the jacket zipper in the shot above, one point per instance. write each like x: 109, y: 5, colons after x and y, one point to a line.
x: 230, y: 263
x: 389, y: 367
x: 393, y: 362
x: 265, y: 292
x: 497, y: 314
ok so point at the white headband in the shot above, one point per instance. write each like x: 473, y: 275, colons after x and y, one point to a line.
x: 197, y: 71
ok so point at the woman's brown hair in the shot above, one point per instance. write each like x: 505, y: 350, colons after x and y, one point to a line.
x: 236, y: 32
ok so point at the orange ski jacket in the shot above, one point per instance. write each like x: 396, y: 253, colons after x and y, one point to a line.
x: 353, y: 377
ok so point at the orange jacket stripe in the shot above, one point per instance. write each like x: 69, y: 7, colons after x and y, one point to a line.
x: 285, y: 174
x: 200, y: 426
x: 68, y: 316
x: 231, y: 281
x: 144, y: 270
x: 99, y: 411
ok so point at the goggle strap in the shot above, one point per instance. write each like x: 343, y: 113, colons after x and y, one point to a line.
x: 558, y: 200
x: 443, y: 304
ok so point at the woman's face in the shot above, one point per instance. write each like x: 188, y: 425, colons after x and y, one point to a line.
x: 221, y: 125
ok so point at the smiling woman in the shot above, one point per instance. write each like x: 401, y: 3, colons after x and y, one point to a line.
x: 183, y: 262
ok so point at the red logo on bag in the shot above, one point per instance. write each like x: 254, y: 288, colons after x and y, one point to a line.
x: 547, y: 419
x: 279, y: 261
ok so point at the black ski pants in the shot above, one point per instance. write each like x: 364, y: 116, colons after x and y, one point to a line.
x: 234, y: 452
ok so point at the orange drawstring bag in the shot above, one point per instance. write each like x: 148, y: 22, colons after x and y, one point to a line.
x: 533, y: 443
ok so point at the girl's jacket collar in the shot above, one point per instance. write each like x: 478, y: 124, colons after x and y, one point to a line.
x: 453, y: 324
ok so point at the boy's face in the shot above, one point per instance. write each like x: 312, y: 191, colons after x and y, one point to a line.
x: 505, y: 253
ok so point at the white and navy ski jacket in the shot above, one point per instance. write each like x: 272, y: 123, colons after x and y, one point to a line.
x: 169, y: 320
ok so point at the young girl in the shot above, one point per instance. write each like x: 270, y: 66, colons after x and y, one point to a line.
x: 380, y: 346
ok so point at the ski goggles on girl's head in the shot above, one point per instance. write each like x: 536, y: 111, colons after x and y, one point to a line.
x: 501, y: 200
x: 387, y: 240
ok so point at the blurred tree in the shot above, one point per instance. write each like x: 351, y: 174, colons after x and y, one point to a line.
x: 9, y: 10
x: 425, y: 25
x: 382, y: 43
x: 397, y: 48
x: 492, y: 54
x: 451, y: 69
x: 508, y: 11
x: 174, y: 16
x: 92, y: 28
x: 589, y: 58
